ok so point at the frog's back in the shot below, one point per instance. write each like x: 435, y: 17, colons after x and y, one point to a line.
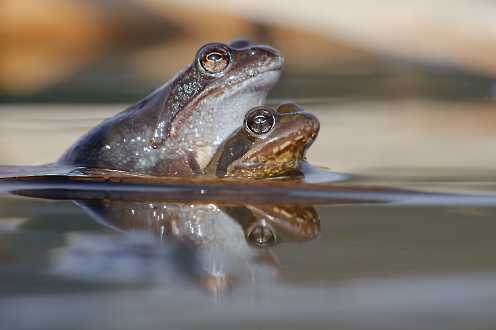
x: 117, y: 142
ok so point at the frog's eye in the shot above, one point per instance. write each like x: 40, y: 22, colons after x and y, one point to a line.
x: 214, y: 60
x: 259, y: 121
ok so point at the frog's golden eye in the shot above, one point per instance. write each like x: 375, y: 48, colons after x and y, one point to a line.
x: 259, y: 121
x: 214, y: 60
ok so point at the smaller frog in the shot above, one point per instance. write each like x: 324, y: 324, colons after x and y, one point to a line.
x: 270, y: 143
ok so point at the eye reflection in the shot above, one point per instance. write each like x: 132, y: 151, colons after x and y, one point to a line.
x: 262, y: 236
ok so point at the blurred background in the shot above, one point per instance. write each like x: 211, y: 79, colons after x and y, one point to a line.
x: 399, y: 86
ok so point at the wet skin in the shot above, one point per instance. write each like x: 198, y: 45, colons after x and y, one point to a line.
x: 176, y: 130
x: 270, y: 143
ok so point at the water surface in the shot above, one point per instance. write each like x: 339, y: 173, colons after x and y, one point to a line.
x: 363, y: 260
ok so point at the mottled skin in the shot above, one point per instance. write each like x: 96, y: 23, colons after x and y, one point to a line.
x: 275, y: 153
x: 177, y: 129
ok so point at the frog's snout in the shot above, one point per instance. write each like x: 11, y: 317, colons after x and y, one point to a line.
x: 274, y: 54
x: 271, y: 57
x: 310, y: 127
x: 313, y: 124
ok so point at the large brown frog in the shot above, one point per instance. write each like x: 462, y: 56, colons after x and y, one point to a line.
x: 270, y: 143
x: 176, y: 130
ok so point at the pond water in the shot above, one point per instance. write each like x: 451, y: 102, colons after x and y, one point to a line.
x: 127, y: 255
x: 392, y: 227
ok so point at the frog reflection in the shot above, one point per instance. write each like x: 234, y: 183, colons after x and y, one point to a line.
x: 223, y: 246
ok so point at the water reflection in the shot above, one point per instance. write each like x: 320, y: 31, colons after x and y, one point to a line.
x: 213, y: 246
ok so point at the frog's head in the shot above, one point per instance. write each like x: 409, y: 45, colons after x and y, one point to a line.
x: 270, y: 143
x: 206, y: 102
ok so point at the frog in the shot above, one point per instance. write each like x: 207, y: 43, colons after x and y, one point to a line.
x: 177, y: 129
x: 270, y: 143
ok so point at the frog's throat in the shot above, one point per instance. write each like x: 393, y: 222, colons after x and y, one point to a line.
x: 232, y: 148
